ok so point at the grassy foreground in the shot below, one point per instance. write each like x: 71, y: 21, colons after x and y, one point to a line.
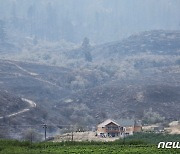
x: 15, y: 147
x: 137, y: 144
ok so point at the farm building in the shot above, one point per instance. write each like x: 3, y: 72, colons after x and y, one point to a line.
x: 137, y: 126
x: 119, y: 128
x: 109, y: 128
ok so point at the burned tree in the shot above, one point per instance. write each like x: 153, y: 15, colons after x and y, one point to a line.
x: 87, y: 49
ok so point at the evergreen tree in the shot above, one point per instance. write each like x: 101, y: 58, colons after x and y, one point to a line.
x: 87, y: 48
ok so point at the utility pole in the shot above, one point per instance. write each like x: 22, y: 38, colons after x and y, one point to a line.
x: 72, y: 134
x: 124, y: 135
x: 31, y: 137
x: 45, y: 127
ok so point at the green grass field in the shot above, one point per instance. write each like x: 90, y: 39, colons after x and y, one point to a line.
x: 137, y: 144
x: 13, y: 147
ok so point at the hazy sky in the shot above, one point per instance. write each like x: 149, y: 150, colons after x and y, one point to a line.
x: 100, y: 20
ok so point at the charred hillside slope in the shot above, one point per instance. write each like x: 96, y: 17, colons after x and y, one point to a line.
x: 125, y: 79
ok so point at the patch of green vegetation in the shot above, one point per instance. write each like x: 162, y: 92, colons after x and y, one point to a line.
x: 139, y: 143
x: 153, y: 138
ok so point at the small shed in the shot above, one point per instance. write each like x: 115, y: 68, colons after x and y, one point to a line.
x: 137, y: 126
